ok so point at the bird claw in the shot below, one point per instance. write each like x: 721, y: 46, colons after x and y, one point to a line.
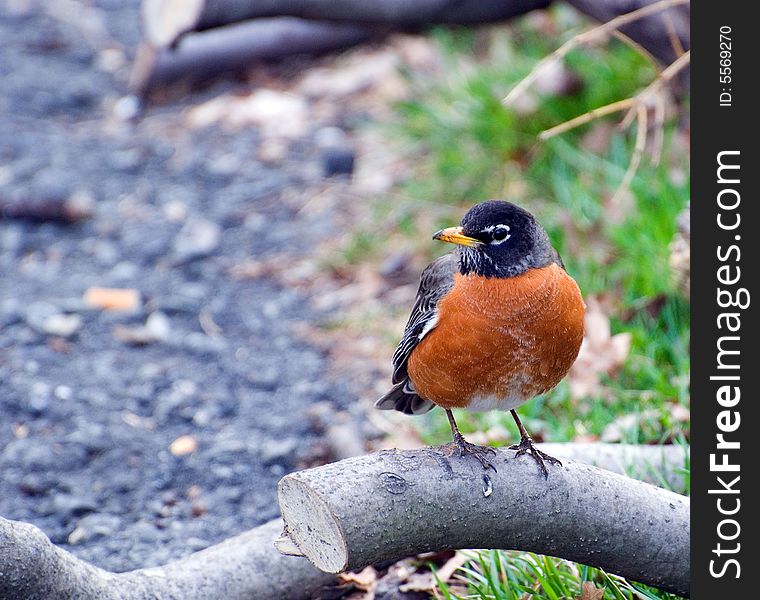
x: 526, y: 447
x: 463, y: 448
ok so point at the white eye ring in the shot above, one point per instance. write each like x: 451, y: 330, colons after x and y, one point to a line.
x: 491, y: 228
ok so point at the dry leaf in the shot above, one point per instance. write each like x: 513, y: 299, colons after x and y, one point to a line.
x: 601, y: 353
x: 364, y: 578
x: 590, y: 592
x: 426, y: 582
x: 116, y: 299
x: 184, y: 444
x: 362, y: 584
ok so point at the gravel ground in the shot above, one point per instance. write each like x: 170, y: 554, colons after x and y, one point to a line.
x: 92, y: 400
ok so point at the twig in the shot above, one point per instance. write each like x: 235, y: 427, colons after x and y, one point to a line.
x: 642, y: 123
x: 675, y: 41
x: 587, y: 117
x: 665, y: 77
x: 591, y: 35
x: 637, y: 108
x: 658, y: 136
x: 634, y: 45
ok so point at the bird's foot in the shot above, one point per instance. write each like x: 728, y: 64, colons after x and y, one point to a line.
x: 526, y: 447
x: 463, y: 448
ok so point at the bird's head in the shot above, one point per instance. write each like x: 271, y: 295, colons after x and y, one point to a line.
x: 499, y: 239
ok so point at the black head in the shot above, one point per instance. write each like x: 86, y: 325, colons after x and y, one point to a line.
x: 499, y: 239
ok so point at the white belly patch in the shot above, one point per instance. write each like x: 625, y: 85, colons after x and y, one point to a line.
x: 494, y: 402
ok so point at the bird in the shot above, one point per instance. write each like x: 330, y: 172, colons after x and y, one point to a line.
x: 496, y: 322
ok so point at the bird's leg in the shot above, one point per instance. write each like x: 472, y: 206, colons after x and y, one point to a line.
x: 466, y: 447
x: 526, y: 447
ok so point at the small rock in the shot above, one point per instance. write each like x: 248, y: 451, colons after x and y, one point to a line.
x: 67, y: 505
x: 37, y: 313
x: 94, y: 526
x: 35, y: 484
x: 197, y: 238
x: 201, y: 343
x: 278, y: 450
x: 63, y: 392
x: 62, y: 325
x: 77, y: 536
x: 157, y: 328
x: 337, y: 153
x: 337, y: 161
x: 195, y: 544
x: 127, y: 108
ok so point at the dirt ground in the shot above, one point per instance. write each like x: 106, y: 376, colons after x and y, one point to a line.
x: 135, y: 436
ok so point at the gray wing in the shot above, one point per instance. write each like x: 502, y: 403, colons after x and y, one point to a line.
x: 435, y: 282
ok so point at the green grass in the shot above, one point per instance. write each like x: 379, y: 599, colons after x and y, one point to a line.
x: 466, y: 147
x: 499, y: 575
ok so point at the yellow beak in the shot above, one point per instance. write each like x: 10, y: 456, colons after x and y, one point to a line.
x: 454, y: 235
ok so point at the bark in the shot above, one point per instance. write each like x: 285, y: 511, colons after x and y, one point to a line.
x: 393, y: 504
x: 663, y: 466
x: 244, y: 567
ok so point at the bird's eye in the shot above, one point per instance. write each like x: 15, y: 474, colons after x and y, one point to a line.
x: 500, y: 233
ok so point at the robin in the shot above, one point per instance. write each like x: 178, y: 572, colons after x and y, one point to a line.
x: 495, y: 323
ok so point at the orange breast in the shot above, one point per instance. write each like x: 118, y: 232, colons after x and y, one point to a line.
x: 500, y: 341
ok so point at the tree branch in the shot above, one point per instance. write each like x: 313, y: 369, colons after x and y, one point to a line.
x: 246, y: 566
x: 235, y: 34
x: 392, y: 504
x: 236, y: 47
x: 663, y: 466
x: 163, y: 23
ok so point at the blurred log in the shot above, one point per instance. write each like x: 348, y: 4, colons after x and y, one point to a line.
x: 246, y: 566
x: 235, y: 48
x: 393, y: 504
x: 72, y: 209
x: 237, y: 33
x: 164, y: 24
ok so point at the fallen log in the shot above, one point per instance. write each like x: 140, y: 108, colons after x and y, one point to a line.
x: 234, y: 48
x: 393, y: 504
x: 163, y: 24
x: 231, y: 35
x: 246, y: 566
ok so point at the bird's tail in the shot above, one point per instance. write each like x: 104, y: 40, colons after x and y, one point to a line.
x: 403, y: 398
